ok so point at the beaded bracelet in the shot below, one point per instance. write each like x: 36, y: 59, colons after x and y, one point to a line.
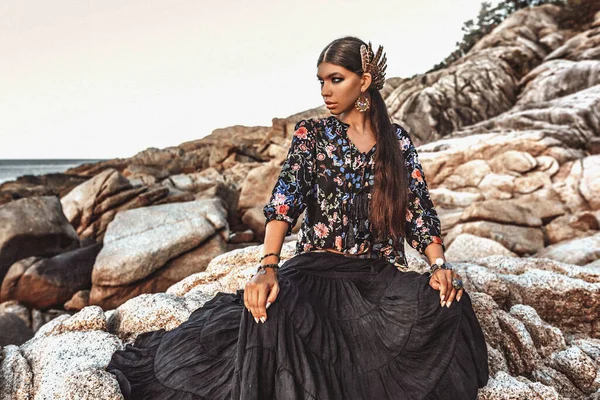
x: 261, y: 268
x: 270, y: 254
x: 435, y: 267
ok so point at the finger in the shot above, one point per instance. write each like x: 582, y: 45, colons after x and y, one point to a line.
x: 452, y: 294
x: 253, y: 300
x: 443, y: 287
x: 459, y: 292
x: 262, y: 299
x: 246, y: 304
x: 434, y: 282
x: 273, y: 294
x: 449, y: 287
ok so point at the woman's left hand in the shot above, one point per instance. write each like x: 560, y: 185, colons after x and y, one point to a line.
x: 442, y: 280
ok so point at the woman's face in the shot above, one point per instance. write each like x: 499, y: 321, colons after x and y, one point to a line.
x: 340, y: 87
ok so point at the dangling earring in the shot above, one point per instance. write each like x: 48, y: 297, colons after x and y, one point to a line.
x: 362, y: 103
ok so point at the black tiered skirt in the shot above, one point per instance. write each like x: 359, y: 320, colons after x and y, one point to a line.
x: 341, y: 328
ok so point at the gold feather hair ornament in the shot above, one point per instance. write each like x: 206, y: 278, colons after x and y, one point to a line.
x: 374, y: 64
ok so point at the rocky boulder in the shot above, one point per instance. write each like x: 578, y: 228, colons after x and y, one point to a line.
x: 34, y: 226
x: 141, y: 242
x: 43, y: 283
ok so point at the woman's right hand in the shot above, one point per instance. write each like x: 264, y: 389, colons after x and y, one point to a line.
x: 260, y: 292
x: 442, y: 280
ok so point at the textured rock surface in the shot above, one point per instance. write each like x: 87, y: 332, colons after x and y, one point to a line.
x: 483, y: 84
x: 16, y: 379
x: 14, y: 329
x: 505, y: 386
x: 33, y: 227
x: 580, y: 251
x: 48, y: 282
x: 78, y: 301
x: 150, y: 312
x: 65, y: 350
x: 91, y: 384
x: 562, y: 294
x: 140, y: 243
x: 467, y: 246
x: 64, y: 360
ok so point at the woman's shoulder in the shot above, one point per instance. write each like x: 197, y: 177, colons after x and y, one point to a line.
x: 403, y: 137
x: 400, y: 131
x: 309, y: 123
x: 314, y: 127
x: 317, y: 124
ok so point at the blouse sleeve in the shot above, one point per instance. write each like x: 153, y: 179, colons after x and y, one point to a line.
x: 291, y: 191
x: 422, y: 225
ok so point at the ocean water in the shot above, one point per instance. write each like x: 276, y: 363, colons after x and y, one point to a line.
x: 11, y: 169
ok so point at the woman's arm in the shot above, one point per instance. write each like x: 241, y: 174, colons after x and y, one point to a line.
x: 422, y: 225
x: 262, y: 290
x: 287, y: 202
x: 434, y: 251
x: 291, y: 191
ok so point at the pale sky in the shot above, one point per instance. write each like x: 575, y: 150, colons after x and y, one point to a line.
x: 109, y: 78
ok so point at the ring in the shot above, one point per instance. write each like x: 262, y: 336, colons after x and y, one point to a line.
x: 457, y: 283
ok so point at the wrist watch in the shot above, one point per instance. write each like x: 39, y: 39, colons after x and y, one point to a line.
x: 439, y: 264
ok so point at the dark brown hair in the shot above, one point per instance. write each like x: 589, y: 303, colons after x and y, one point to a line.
x: 389, y: 196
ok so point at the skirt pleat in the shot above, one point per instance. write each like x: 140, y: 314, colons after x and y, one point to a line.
x: 340, y: 328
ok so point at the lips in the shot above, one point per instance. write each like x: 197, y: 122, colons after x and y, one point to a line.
x: 330, y: 104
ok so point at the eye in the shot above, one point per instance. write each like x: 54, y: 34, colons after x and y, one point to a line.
x: 333, y: 79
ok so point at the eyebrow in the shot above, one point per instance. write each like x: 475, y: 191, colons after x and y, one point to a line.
x: 330, y: 75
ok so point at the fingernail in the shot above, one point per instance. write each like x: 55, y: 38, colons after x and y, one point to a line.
x: 443, y: 296
x: 443, y: 303
x: 458, y: 298
x: 256, y: 319
x: 268, y: 304
x: 448, y: 305
x: 263, y: 319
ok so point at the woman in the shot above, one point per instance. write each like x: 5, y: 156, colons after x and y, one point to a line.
x: 338, y: 320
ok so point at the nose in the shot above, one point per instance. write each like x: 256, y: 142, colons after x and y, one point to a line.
x: 325, y: 92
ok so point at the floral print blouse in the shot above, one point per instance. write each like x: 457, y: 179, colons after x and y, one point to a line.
x: 326, y: 175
